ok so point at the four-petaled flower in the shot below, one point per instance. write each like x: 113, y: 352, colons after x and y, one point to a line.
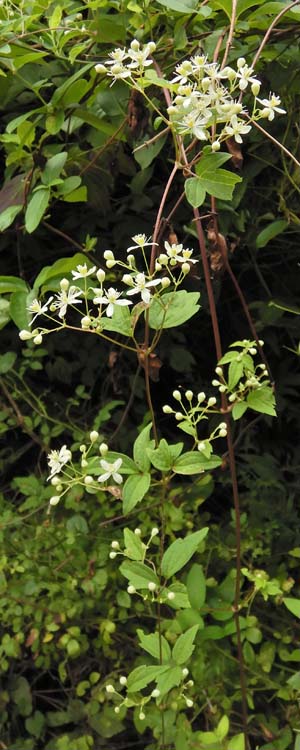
x: 140, y: 242
x: 110, y: 298
x: 65, y: 298
x: 83, y: 271
x: 271, y: 106
x: 178, y: 255
x: 236, y: 128
x: 58, y: 459
x: 142, y: 286
x: 111, y: 470
x: 37, y: 308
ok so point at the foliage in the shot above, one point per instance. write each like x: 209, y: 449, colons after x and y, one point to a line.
x: 149, y: 598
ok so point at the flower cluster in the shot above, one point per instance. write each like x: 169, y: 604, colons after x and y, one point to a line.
x: 192, y: 414
x: 123, y: 64
x: 243, y: 375
x: 64, y: 474
x: 207, y: 103
x: 140, y: 701
x: 106, y: 299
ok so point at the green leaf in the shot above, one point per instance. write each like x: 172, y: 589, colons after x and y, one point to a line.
x: 138, y: 574
x: 215, y: 181
x: 293, y: 605
x: 180, y: 552
x: 76, y: 196
x: 7, y: 361
x: 59, y: 269
x: 223, y: 728
x: 235, y: 372
x: 171, y: 677
x: 35, y: 724
x: 238, y: 410
x: 69, y: 185
x: 271, y: 231
x: 120, y: 321
x: 173, y: 309
x: 163, y: 457
x: 184, y: 647
x: 194, y: 462
x: 141, y: 444
x: 285, y: 306
x: 237, y: 742
x: 54, y: 167
x: 146, y: 155
x: 4, y: 312
x: 180, y: 6
x: 140, y: 677
x: 196, y: 586
x: 8, y: 216
x: 194, y: 191
x: 155, y: 645
x: 12, y: 284
x: 134, y: 490
x: 262, y: 400
x: 75, y: 92
x: 19, y: 302
x: 133, y: 545
x: 36, y: 208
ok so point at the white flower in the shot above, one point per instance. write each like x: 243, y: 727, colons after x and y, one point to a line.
x: 37, y: 308
x: 245, y: 75
x: 65, y: 298
x: 117, y: 56
x: 139, y: 56
x: 110, y: 299
x: 178, y: 254
x: 142, y: 287
x: 236, y: 128
x: 119, y: 71
x: 83, y: 271
x: 58, y: 459
x: 111, y: 470
x: 271, y: 106
x: 140, y: 241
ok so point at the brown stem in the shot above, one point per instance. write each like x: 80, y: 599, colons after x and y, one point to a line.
x: 231, y: 33
x: 270, y: 29
x: 274, y: 140
x: 159, y: 215
x: 20, y: 418
x: 103, y: 148
x: 70, y: 240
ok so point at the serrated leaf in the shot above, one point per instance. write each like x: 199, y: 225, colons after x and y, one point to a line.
x: 180, y: 552
x: 134, y: 490
x: 155, y: 645
x: 138, y: 574
x: 164, y: 455
x: 140, y: 677
x: 238, y: 410
x: 171, y: 677
x: 173, y: 309
x: 262, y: 400
x: 120, y: 321
x: 193, y: 462
x: 184, y: 647
x: 36, y: 208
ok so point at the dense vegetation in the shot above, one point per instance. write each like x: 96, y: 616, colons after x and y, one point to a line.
x: 192, y: 641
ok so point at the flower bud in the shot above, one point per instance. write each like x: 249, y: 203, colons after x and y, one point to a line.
x: 94, y: 436
x: 112, y: 555
x: 165, y: 282
x: 201, y: 446
x: 222, y: 388
x: 215, y: 146
x: 85, y: 321
x: 100, y: 275
x: 151, y: 47
x: 38, y: 339
x: 185, y: 268
x: 115, y: 544
x: 167, y: 409
x: 157, y: 266
x: 137, y: 532
x: 127, y: 279
x: 185, y: 672
x: 110, y: 263
x: 179, y: 416
x: 176, y: 394
x: 241, y: 62
x: 55, y: 480
x: 84, y: 463
x: 222, y: 426
x: 211, y: 401
x: 253, y: 351
x: 99, y: 68
x: 108, y: 255
x: 117, y: 709
x: 64, y: 285
x: 135, y: 45
x: 25, y: 335
x: 103, y: 449
x: 151, y: 586
x: 223, y: 433
x: 131, y: 260
x: 201, y: 397
x: 131, y: 589
x: 163, y: 259
x: 142, y: 716
x: 232, y: 397
x: 189, y: 395
x: 88, y: 480
x: 155, y: 693
x: 170, y: 595
x: 123, y: 680
x: 215, y: 382
x: 54, y: 499
x: 255, y: 88
x: 189, y: 702
x: 110, y: 689
x: 219, y: 370
x: 154, y: 531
